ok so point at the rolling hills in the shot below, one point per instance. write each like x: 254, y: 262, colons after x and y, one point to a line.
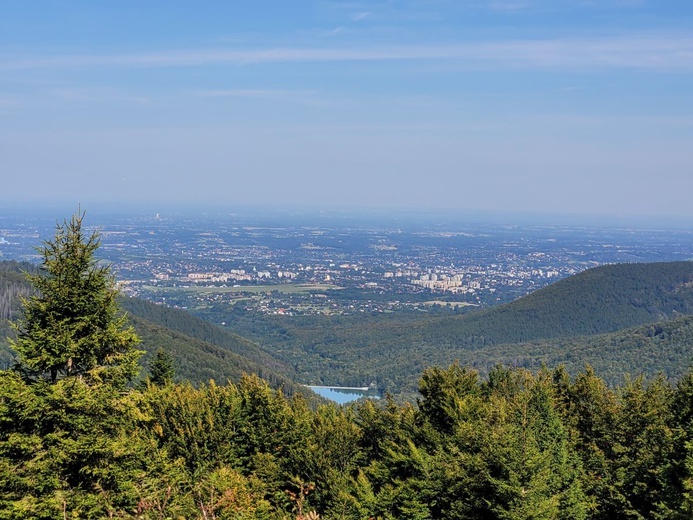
x: 392, y: 349
x: 599, y: 300
x: 201, y: 351
x: 623, y: 318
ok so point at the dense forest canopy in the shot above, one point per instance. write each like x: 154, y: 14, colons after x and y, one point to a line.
x: 80, y: 438
x: 515, y: 445
x: 589, y: 318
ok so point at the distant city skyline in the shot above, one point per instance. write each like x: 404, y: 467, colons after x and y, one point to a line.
x: 557, y: 107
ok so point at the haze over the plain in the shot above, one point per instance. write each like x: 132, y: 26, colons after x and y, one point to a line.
x: 516, y: 105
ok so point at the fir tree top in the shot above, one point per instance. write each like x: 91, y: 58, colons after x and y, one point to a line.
x: 74, y: 325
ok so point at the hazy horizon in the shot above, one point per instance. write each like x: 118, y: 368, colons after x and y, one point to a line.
x: 316, y: 215
x: 530, y: 106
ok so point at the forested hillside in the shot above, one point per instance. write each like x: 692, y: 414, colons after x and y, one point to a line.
x: 202, y: 331
x: 602, y: 299
x: 13, y: 285
x: 561, y: 322
x: 79, y: 440
x: 393, y: 349
x: 201, y: 361
x: 200, y: 350
x: 664, y: 346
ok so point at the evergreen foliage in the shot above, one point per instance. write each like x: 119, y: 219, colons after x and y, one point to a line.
x: 73, y: 326
x: 76, y: 442
x: 161, y: 369
x: 200, y: 351
x: 516, y: 445
x: 68, y: 443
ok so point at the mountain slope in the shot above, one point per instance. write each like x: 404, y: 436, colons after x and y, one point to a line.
x: 591, y: 318
x: 201, y: 351
x: 393, y: 349
x: 13, y: 286
x: 665, y: 346
x: 185, y: 323
x: 200, y: 361
x: 599, y: 300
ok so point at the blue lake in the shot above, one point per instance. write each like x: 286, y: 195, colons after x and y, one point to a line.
x: 342, y: 395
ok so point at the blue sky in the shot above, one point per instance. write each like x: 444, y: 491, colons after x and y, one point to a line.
x: 561, y: 106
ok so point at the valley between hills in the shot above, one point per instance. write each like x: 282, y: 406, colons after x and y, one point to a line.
x: 625, y: 319
x: 573, y: 400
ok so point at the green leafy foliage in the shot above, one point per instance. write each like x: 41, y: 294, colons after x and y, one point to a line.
x: 514, y: 445
x: 68, y: 446
x: 67, y: 443
x: 199, y: 350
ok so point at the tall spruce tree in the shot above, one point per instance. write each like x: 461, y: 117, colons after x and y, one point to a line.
x: 161, y: 370
x: 74, y: 326
x: 69, y: 447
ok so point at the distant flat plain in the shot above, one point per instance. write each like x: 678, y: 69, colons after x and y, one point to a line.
x: 254, y: 289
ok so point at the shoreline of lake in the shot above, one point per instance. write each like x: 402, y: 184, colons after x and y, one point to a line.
x: 342, y: 394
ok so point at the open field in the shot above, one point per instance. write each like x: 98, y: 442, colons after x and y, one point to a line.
x: 253, y: 289
x: 451, y: 304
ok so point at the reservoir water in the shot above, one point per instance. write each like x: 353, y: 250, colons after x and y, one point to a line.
x: 342, y: 395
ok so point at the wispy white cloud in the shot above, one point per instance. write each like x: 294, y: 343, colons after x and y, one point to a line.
x: 303, y: 97
x: 647, y: 52
x: 334, y: 31
x: 72, y: 95
x: 609, y: 4
x: 96, y: 94
x: 361, y: 16
x: 571, y: 88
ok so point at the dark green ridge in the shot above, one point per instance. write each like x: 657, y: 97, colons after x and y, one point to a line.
x: 201, y: 351
x: 199, y: 361
x: 185, y: 323
x: 599, y: 300
x: 664, y: 347
x: 393, y: 349
x: 568, y: 322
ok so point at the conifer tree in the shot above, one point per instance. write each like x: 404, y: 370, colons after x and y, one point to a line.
x: 161, y: 369
x: 68, y: 442
x: 74, y: 326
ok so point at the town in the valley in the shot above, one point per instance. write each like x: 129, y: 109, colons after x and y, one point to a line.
x: 322, y: 264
